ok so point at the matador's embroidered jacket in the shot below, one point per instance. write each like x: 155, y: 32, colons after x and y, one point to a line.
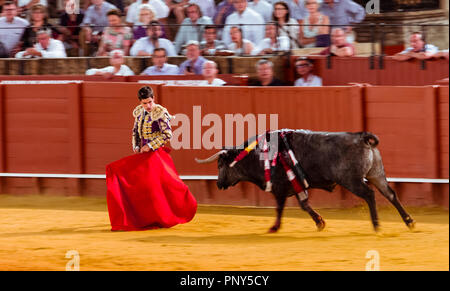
x: 151, y: 128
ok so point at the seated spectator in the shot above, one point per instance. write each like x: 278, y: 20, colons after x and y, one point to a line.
x: 211, y: 44
x: 308, y: 33
x: 272, y: 43
x: 38, y: 21
x: 70, y: 25
x: 264, y: 70
x: 288, y: 25
x: 145, y: 46
x: 417, y: 49
x: 160, y: 65
x: 208, y: 7
x: 223, y: 10
x: 192, y: 27
x: 177, y: 8
x: 94, y: 22
x: 117, y: 67
x: 46, y: 47
x: 343, y: 13
x: 194, y: 63
x: 249, y: 20
x: 146, y: 16
x: 304, y: 67
x: 160, y: 10
x: 339, y: 46
x: 25, y: 5
x: 297, y: 9
x: 11, y: 30
x: 115, y: 36
x: 262, y: 7
x: 209, y: 72
x: 239, y: 45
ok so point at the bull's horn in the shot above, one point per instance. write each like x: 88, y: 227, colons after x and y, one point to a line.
x: 211, y: 158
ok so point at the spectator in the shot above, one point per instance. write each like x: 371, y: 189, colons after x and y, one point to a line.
x: 70, y: 26
x: 146, y: 45
x: 223, y: 10
x: 11, y: 30
x: 418, y: 49
x: 46, y: 47
x: 263, y: 8
x: 117, y: 67
x: 272, y: 42
x: 304, y: 67
x: 297, y: 9
x: 264, y: 70
x: 192, y: 26
x: 160, y: 10
x: 288, y: 25
x: 343, y: 13
x: 209, y: 72
x: 94, y: 22
x: 211, y: 44
x: 208, y: 7
x: 177, y: 7
x: 160, y: 65
x: 38, y: 20
x: 339, y: 46
x: 194, y: 63
x: 239, y: 45
x: 25, y: 5
x: 115, y: 36
x: 146, y: 15
x: 308, y: 33
x: 242, y: 16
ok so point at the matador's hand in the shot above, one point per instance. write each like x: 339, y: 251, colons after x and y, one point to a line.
x: 145, y: 149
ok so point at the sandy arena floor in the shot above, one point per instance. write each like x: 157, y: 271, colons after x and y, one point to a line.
x: 36, y: 232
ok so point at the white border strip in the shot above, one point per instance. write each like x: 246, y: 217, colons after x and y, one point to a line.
x: 194, y: 177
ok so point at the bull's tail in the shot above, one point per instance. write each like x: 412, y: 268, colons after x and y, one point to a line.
x: 370, y: 139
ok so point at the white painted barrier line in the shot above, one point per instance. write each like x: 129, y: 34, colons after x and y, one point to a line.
x: 194, y: 177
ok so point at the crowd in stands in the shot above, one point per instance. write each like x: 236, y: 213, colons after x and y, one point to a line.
x: 116, y: 28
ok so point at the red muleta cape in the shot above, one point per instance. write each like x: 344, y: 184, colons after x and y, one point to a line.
x: 145, y: 192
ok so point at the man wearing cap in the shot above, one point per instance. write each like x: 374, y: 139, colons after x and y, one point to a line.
x: 117, y: 68
x: 46, y: 47
x: 194, y: 63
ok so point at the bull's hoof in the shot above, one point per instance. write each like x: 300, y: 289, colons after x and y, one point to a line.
x: 320, y: 225
x: 411, y: 225
x: 377, y: 229
x: 273, y: 229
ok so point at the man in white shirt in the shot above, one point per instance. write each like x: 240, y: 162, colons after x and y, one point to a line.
x: 145, y: 45
x: 46, y: 47
x: 117, y: 68
x: 11, y: 29
x: 264, y: 8
x: 160, y: 65
x: 418, y: 49
x: 244, y: 15
x: 304, y: 67
x: 209, y: 72
x: 160, y: 7
x: 272, y: 42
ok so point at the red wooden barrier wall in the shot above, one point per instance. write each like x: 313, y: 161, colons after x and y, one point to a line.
x: 79, y: 128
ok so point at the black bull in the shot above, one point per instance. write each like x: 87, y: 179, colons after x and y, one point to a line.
x: 328, y: 159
